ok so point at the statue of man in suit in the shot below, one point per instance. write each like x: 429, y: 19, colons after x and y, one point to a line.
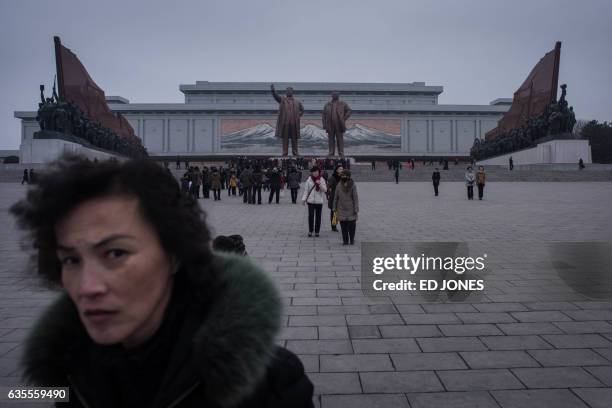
x: 335, y: 115
x: 290, y: 111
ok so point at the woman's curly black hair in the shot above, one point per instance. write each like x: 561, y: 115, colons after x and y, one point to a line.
x: 71, y: 180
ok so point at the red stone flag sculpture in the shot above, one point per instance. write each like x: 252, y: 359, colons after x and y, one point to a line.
x: 75, y: 85
x: 536, y: 92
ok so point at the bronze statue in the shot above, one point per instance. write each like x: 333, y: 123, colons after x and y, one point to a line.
x: 288, y: 123
x: 335, y: 115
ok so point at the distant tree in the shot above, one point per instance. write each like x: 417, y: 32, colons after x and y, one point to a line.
x: 599, y: 136
x: 11, y: 160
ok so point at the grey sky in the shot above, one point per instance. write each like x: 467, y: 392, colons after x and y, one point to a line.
x: 478, y: 50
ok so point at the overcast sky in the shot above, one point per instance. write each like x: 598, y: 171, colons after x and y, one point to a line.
x: 478, y: 50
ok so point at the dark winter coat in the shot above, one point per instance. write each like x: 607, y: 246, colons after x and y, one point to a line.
x: 480, y: 177
x: 331, y: 189
x: 435, y: 177
x: 293, y: 179
x: 215, y: 180
x: 275, y: 179
x: 223, y: 351
x: 257, y: 178
x: 346, y: 202
x: 246, y: 178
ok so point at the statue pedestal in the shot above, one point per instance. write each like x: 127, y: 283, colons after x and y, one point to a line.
x: 46, y: 146
x: 555, y: 151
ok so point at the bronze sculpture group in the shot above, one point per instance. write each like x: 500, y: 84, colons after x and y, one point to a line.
x: 58, y: 115
x: 556, y: 121
x: 335, y: 115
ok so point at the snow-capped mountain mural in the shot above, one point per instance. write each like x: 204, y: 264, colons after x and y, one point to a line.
x: 313, y: 140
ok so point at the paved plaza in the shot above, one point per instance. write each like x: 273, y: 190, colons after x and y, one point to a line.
x: 529, y: 340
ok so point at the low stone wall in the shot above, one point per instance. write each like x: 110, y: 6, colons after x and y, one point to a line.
x: 550, y: 152
x: 53, y: 144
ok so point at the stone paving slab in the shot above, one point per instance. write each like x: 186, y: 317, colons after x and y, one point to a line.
x: 530, y: 340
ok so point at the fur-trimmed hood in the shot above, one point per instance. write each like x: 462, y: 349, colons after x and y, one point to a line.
x: 225, y: 346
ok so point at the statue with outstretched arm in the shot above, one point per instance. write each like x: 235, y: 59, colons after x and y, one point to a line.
x: 290, y: 110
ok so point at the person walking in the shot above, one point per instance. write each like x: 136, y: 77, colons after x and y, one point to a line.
x: 197, y: 182
x: 373, y: 164
x: 25, y: 178
x: 257, y: 178
x: 331, y: 191
x: 511, y: 163
x: 275, y: 185
x: 346, y: 207
x: 205, y: 182
x: 314, y: 196
x: 215, y: 183
x: 581, y: 164
x: 223, y: 173
x: 480, y: 181
x: 435, y: 178
x: 293, y: 182
x: 396, y: 174
x: 469, y: 182
x: 246, y: 182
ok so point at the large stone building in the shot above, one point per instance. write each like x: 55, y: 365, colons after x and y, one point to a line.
x: 238, y: 118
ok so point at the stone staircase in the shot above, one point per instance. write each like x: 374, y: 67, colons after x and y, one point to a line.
x: 362, y: 172
x: 494, y: 173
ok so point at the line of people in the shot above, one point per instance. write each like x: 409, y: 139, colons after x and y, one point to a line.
x: 340, y: 192
x: 471, y: 179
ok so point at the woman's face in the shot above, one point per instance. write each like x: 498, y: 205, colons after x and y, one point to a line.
x: 114, y: 269
x: 315, y: 173
x: 339, y: 170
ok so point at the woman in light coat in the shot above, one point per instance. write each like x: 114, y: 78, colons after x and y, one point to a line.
x: 314, y: 196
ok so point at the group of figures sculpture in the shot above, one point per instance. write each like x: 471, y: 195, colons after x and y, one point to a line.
x: 556, y: 119
x: 58, y: 115
x: 335, y: 115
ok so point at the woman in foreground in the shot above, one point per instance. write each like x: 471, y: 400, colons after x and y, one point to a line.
x: 147, y: 315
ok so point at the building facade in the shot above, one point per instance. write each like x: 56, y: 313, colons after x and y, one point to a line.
x: 239, y: 118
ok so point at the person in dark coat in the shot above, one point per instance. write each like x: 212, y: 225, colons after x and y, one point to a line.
x: 275, y: 185
x: 293, y: 182
x: 149, y: 315
x: 224, y: 177
x: 435, y: 178
x: 396, y: 175
x: 33, y: 179
x: 215, y: 183
x: 25, y: 178
x: 246, y: 183
x: 257, y: 179
x: 346, y: 205
x: 480, y: 181
x: 331, y: 192
x: 206, y: 182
